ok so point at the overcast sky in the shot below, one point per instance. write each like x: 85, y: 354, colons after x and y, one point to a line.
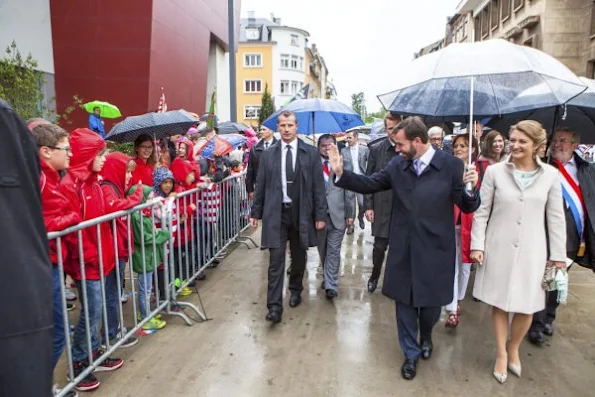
x: 362, y: 42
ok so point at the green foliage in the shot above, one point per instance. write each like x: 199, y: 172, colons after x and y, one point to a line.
x: 358, y: 104
x: 125, y: 147
x: 21, y: 84
x: 375, y: 115
x: 267, y: 106
x: 64, y: 118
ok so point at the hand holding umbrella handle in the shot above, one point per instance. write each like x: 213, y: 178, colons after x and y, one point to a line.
x: 470, y: 177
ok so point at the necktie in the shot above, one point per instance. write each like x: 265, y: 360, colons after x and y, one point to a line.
x: 266, y: 145
x: 327, y: 172
x: 289, y: 173
x: 417, y: 164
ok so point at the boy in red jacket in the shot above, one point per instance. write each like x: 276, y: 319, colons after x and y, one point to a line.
x: 81, y: 187
x: 54, y: 155
x: 115, y: 181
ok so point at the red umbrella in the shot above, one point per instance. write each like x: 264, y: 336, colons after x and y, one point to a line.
x: 216, y: 146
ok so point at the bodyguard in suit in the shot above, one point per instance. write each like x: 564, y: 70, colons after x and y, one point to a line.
x: 290, y: 199
x: 341, y: 210
x: 355, y: 157
x: 379, y: 205
x: 426, y: 185
x: 578, y: 190
x: 267, y: 141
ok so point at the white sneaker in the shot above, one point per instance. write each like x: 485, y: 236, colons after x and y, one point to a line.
x: 124, y: 297
x: 70, y: 296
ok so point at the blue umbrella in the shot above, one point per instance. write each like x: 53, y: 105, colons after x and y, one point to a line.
x: 220, y: 145
x: 318, y: 116
x: 156, y: 125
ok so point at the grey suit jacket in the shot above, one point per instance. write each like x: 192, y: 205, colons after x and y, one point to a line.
x: 341, y: 203
x: 363, y: 153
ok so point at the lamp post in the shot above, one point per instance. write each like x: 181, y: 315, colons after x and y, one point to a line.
x: 232, y: 60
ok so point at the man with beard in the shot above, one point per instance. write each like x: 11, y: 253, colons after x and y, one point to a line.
x: 378, y: 205
x: 426, y: 185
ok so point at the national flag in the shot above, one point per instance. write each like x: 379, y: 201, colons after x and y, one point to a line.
x: 211, y: 117
x: 162, y: 108
x: 301, y: 94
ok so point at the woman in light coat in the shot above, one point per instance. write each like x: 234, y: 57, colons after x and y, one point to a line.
x: 508, y: 239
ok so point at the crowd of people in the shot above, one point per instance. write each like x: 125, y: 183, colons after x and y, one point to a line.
x: 441, y: 212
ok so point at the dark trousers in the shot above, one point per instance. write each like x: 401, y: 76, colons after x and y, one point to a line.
x: 410, y: 320
x: 547, y: 315
x: 378, y: 253
x: 289, y: 232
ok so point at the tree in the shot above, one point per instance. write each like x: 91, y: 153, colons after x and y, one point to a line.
x: 375, y: 115
x: 267, y: 107
x: 358, y: 103
x: 21, y: 84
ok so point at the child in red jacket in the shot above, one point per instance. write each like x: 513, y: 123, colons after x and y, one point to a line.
x: 115, y: 181
x: 81, y: 187
x: 54, y: 155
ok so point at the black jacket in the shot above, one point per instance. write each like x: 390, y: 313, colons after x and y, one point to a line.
x: 268, y: 197
x: 253, y: 163
x: 381, y: 153
x: 420, y: 265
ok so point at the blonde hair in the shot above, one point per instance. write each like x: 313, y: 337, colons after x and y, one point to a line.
x: 533, y: 129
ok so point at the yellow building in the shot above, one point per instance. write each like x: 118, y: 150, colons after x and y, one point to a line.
x: 254, y: 71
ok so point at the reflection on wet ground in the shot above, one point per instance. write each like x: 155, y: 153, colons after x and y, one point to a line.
x: 346, y: 348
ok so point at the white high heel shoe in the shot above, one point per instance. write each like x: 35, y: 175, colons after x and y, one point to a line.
x: 515, y: 369
x: 501, y: 376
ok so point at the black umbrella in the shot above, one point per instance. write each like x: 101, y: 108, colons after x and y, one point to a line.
x: 156, y: 125
x: 229, y: 127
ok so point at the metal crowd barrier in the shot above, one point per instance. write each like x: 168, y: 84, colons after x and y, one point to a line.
x: 202, y: 224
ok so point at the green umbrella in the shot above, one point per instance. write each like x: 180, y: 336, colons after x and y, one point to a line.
x: 107, y: 110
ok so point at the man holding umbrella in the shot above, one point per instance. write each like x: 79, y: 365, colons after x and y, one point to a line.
x: 426, y: 185
x: 95, y: 122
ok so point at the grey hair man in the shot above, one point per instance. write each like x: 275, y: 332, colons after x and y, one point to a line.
x: 436, y: 135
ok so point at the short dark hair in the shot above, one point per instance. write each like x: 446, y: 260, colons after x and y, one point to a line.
x: 576, y: 138
x: 286, y: 114
x: 48, y: 134
x: 325, y: 137
x: 392, y: 117
x: 354, y: 132
x: 414, y: 127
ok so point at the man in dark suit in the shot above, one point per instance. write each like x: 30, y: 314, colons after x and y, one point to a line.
x: 290, y: 199
x: 379, y: 205
x: 578, y: 190
x: 426, y: 185
x: 355, y: 157
x: 267, y: 140
x: 341, y: 210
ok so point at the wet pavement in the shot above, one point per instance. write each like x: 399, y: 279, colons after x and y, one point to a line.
x: 345, y: 348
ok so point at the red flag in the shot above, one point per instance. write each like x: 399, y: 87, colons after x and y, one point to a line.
x: 162, y: 104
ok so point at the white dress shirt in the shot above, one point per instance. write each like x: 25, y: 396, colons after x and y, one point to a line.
x: 425, y: 160
x: 355, y: 159
x: 294, y: 145
x: 570, y: 166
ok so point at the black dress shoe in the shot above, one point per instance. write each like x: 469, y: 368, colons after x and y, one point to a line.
x: 274, y: 316
x: 295, y: 299
x: 372, y: 285
x: 426, y: 349
x: 548, y: 329
x: 322, y: 285
x: 362, y: 225
x: 349, y: 230
x: 409, y: 369
x: 536, y: 338
x: 331, y: 294
x: 289, y: 270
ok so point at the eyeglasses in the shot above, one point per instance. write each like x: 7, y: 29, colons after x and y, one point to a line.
x: 147, y: 147
x: 67, y: 149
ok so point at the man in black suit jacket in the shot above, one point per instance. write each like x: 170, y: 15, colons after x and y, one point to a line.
x: 576, y: 175
x: 290, y: 198
x: 426, y: 185
x: 267, y: 141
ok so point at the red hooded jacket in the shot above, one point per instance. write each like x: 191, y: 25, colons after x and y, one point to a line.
x: 57, y: 214
x: 81, y: 187
x: 114, y: 193
x: 143, y: 172
x: 467, y: 219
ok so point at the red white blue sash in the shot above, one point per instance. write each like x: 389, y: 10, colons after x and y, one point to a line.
x: 573, y: 197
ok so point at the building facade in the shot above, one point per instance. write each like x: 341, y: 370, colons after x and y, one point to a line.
x: 278, y: 57
x: 564, y: 29
x: 125, y: 52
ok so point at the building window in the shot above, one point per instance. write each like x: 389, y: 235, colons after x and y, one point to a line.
x: 294, y: 40
x: 284, y: 87
x: 505, y: 9
x: 485, y: 22
x: 252, y: 34
x: 465, y: 28
x: 252, y: 86
x: 294, y: 61
x: 301, y: 66
x: 477, y: 28
x: 591, y: 69
x: 495, y: 9
x: 530, y: 42
x: 593, y: 19
x: 284, y: 61
x: 294, y: 87
x: 252, y: 60
x: 251, y: 112
x: 517, y: 4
